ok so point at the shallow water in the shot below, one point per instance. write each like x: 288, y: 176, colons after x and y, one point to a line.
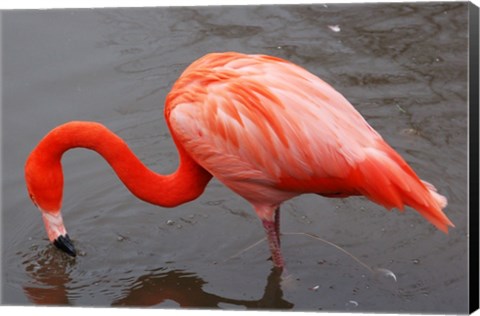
x: 404, y: 67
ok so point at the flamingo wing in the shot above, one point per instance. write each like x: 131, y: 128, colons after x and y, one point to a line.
x: 270, y: 130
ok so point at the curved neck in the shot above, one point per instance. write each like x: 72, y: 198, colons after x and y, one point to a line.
x: 185, y: 184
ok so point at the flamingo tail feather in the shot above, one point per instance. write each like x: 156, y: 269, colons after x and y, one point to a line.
x: 389, y: 181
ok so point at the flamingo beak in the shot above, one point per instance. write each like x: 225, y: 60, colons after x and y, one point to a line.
x: 57, y: 233
x: 65, y: 244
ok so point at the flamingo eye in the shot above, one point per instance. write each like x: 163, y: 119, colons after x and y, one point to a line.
x: 33, y: 199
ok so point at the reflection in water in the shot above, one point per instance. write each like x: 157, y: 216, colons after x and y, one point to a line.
x: 154, y: 288
x: 50, y: 278
x: 51, y: 287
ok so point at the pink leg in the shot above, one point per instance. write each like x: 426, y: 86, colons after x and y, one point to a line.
x: 272, y: 228
x: 277, y: 224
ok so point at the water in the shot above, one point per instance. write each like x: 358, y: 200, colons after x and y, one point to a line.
x: 404, y: 67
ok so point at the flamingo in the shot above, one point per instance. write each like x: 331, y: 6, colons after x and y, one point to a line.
x: 266, y: 128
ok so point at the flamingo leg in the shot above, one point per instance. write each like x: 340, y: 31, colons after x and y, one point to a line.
x: 277, y: 224
x: 272, y: 228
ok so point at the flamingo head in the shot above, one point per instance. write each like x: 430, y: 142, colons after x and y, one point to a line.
x: 45, y: 186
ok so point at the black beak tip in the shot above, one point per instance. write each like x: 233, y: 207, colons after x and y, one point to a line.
x: 65, y: 244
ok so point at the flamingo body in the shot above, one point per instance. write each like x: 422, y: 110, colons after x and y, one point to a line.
x: 266, y: 128
x: 270, y: 130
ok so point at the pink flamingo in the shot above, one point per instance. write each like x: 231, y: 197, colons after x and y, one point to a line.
x: 266, y: 128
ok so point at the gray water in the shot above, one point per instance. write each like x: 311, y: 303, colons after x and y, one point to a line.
x: 403, y: 66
